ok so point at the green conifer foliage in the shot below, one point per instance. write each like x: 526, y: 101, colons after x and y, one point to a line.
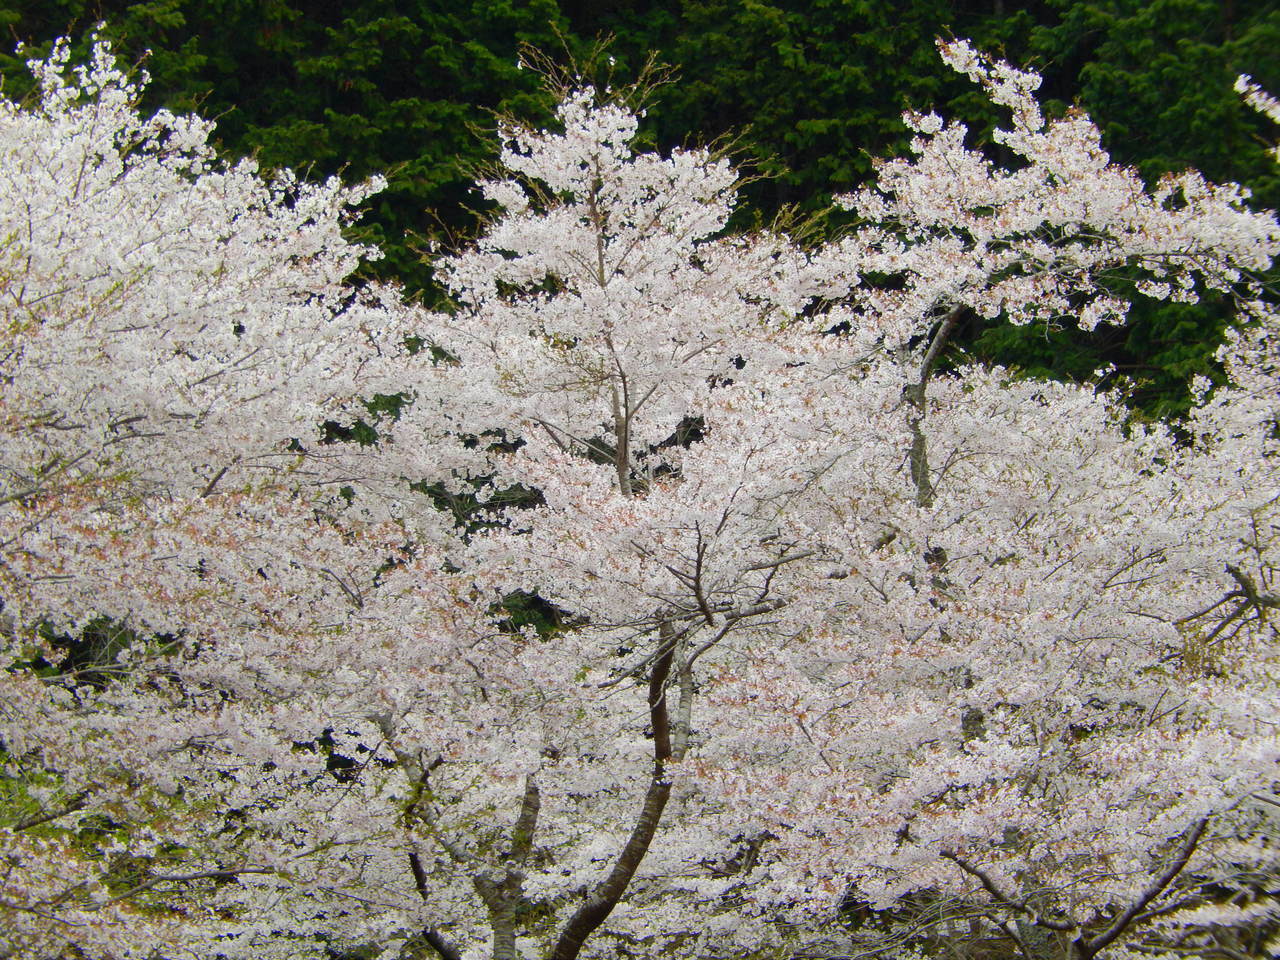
x: 808, y: 90
x: 1158, y: 77
x: 363, y: 87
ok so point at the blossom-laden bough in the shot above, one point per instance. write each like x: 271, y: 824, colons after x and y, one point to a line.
x: 849, y: 629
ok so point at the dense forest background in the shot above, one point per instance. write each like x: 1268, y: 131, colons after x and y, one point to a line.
x: 806, y: 91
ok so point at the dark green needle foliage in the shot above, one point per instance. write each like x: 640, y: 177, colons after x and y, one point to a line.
x: 809, y: 91
x: 357, y: 88
x: 1157, y: 76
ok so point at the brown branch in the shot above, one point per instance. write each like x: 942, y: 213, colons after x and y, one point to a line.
x: 1011, y: 932
x: 940, y: 339
x: 698, y: 593
x: 440, y: 945
x: 659, y: 716
x: 209, y: 487
x: 1156, y: 888
x: 430, y: 935
x: 1019, y: 906
x: 789, y: 558
x: 356, y: 600
x: 1250, y: 590
x: 1234, y: 594
x: 669, y: 641
x: 684, y: 712
x: 732, y: 618
x: 526, y: 822
x: 418, y: 807
x: 38, y: 486
x: 917, y: 395
x: 181, y: 878
x: 75, y: 803
x: 601, y: 901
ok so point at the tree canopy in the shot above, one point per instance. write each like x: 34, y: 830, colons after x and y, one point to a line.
x: 856, y: 638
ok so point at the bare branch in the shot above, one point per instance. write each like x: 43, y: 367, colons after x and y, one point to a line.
x: 430, y: 935
x: 1250, y: 590
x: 356, y: 600
x: 1157, y: 887
x: 917, y: 395
x: 229, y: 874
x: 73, y: 804
x: 526, y: 821
x: 209, y: 487
x: 1019, y: 906
x: 601, y: 901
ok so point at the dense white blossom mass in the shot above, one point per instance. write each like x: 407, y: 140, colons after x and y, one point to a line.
x: 848, y: 638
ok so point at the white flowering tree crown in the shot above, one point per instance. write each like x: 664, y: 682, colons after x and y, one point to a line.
x: 853, y: 640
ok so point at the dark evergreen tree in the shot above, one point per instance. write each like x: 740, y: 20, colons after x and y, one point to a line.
x: 371, y: 86
x: 809, y: 90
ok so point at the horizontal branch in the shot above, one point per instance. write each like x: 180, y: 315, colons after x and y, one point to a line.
x: 1020, y: 906
x: 146, y: 885
x: 71, y: 806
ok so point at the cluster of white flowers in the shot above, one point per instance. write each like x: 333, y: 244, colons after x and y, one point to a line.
x: 836, y: 629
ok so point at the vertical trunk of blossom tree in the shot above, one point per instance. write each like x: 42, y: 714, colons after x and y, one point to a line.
x: 588, y: 917
x: 917, y: 398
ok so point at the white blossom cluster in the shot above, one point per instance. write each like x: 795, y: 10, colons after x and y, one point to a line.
x: 846, y: 638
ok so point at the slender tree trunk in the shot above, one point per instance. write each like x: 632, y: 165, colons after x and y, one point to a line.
x: 430, y: 935
x: 504, y: 898
x: 916, y: 395
x: 504, y: 932
x: 601, y: 901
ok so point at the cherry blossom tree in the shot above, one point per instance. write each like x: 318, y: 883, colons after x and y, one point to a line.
x: 985, y: 650
x: 851, y: 639
x: 1037, y: 696
x: 176, y: 486
x: 175, y: 332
